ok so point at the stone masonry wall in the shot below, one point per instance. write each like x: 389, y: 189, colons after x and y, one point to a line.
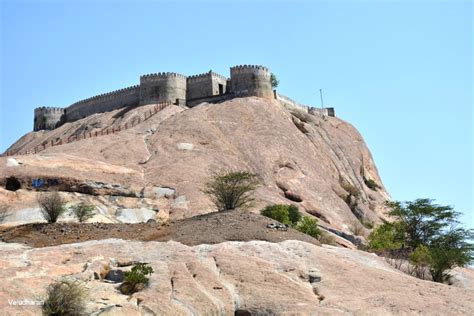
x: 293, y: 105
x: 250, y: 80
x: 47, y: 118
x: 205, y: 85
x: 103, y: 103
x: 245, y: 80
x: 161, y: 87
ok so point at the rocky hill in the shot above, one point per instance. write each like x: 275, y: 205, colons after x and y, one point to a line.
x: 207, y: 262
x: 159, y: 167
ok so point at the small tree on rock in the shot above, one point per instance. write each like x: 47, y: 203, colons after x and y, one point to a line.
x: 136, y: 279
x: 52, y: 206
x: 275, y: 82
x: 229, y: 189
x: 83, y: 211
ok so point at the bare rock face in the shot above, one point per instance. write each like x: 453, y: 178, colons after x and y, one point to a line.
x: 256, y: 277
x: 302, y: 159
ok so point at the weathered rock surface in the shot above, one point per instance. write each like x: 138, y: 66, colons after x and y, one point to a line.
x: 178, y: 149
x: 291, y: 277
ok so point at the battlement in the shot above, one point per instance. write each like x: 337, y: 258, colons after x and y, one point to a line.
x: 109, y: 95
x: 245, y: 80
x: 251, y: 80
x: 47, y: 117
x: 205, y: 76
x: 249, y: 69
x: 161, y: 75
x: 48, y: 109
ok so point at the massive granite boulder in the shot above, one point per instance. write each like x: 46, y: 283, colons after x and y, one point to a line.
x: 320, y: 164
x: 241, y: 278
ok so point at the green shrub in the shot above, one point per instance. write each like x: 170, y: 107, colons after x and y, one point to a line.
x: 294, y: 214
x: 278, y: 212
x: 309, y: 226
x: 285, y: 214
x: 52, y: 206
x: 385, y: 237
x: 421, y: 260
x: 136, y: 279
x: 229, y: 189
x: 65, y: 298
x: 83, y: 211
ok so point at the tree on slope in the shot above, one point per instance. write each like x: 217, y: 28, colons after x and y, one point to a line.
x: 229, y: 189
x: 421, y: 223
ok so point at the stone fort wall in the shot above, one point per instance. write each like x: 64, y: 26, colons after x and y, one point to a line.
x: 206, y: 85
x: 251, y: 80
x: 103, y: 103
x: 245, y: 80
x: 293, y: 105
x: 47, y: 118
x: 161, y: 87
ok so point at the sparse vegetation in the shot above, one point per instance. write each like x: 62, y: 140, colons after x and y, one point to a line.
x: 352, y: 196
x: 274, y: 81
x: 429, y: 234
x: 285, y: 214
x: 421, y: 260
x: 371, y: 184
x: 83, y: 211
x: 4, y: 213
x: 52, y: 206
x: 65, y: 298
x: 309, y: 226
x: 231, y: 189
x: 327, y: 238
x: 357, y: 228
x: 367, y: 224
x: 136, y: 279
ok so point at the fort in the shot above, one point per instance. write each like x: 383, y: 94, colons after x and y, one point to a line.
x: 245, y: 80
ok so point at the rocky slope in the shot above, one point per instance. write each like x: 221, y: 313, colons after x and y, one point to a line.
x: 256, y: 277
x: 214, y: 264
x: 158, y: 168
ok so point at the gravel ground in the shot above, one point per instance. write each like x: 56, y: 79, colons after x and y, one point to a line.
x: 205, y: 229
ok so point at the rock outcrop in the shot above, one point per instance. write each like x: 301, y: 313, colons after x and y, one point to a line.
x: 163, y: 163
x: 257, y: 277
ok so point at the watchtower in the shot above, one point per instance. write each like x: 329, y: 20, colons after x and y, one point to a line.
x: 251, y: 80
x: 47, y: 118
x: 163, y: 86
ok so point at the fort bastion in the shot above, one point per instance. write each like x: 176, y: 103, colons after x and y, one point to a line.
x: 245, y: 80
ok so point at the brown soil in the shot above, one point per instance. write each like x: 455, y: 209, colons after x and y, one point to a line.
x: 205, y: 229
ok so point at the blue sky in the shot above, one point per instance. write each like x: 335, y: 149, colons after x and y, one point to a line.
x: 400, y: 71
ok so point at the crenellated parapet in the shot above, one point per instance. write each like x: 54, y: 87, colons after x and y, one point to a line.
x: 161, y: 87
x: 47, y: 118
x: 251, y: 80
x: 110, y: 95
x: 250, y: 69
x: 206, y: 85
x: 211, y: 87
x: 160, y: 76
x: 103, y: 103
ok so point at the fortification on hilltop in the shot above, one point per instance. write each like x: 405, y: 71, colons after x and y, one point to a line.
x: 244, y: 81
